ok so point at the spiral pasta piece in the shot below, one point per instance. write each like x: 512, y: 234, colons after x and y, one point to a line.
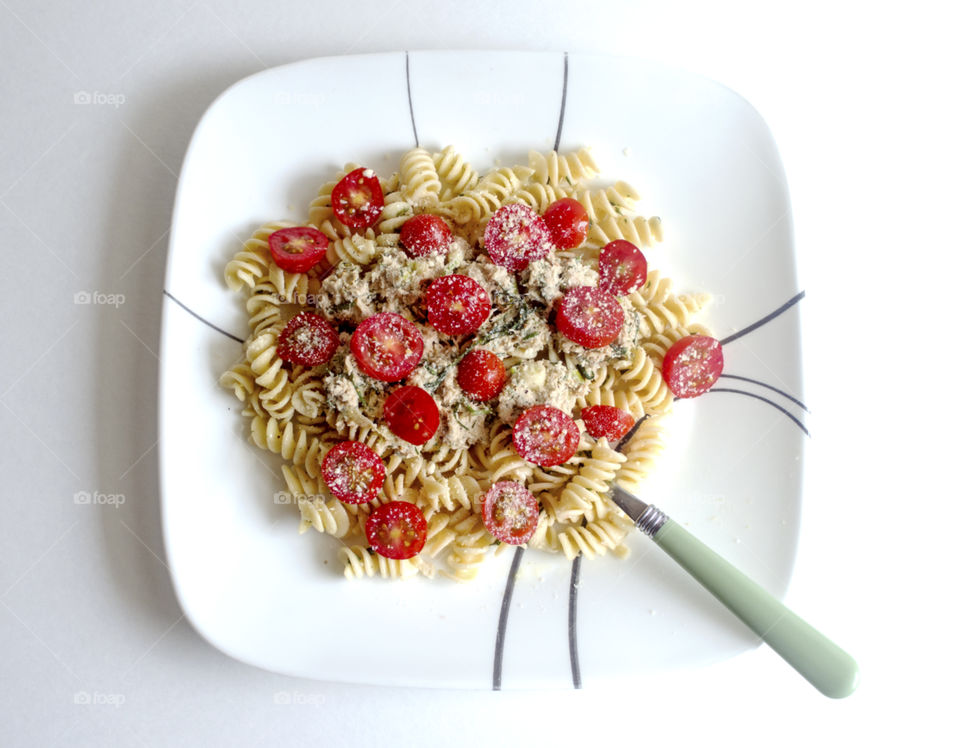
x: 643, y: 378
x: 455, y: 174
x: 252, y: 263
x: 419, y: 180
x: 356, y: 248
x: 241, y: 379
x: 489, y: 194
x: 584, y: 497
x: 595, y: 538
x: 450, y: 493
x: 644, y: 232
x: 299, y: 444
x: 641, y: 452
x: 674, y: 312
x: 396, y: 212
x: 558, y: 170
x: 359, y: 562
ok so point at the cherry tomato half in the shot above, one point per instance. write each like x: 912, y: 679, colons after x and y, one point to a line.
x: 353, y: 472
x: 357, y: 199
x: 308, y: 339
x: 387, y: 346
x: 397, y: 530
x: 692, y: 365
x: 457, y: 304
x: 297, y: 249
x: 606, y: 421
x: 623, y: 268
x: 568, y: 222
x: 545, y: 436
x: 510, y: 512
x: 412, y: 414
x: 481, y: 375
x: 425, y: 234
x: 515, y: 236
x: 589, y: 316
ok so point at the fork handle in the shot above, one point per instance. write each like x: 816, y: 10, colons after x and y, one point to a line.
x: 831, y: 670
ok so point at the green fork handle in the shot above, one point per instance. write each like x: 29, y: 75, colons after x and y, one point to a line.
x: 831, y: 670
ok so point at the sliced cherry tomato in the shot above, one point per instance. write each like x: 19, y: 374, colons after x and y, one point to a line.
x: 568, y: 222
x: 623, y: 268
x: 515, y: 236
x: 425, y: 235
x: 545, y: 436
x: 481, y: 375
x: 387, y: 346
x: 457, y: 304
x: 308, y: 340
x: 353, y: 472
x: 606, y: 421
x: 412, y: 414
x: 397, y: 530
x: 589, y: 316
x: 357, y: 199
x: 510, y: 512
x: 692, y: 365
x: 298, y: 248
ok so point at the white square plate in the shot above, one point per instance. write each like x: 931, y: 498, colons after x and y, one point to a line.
x: 706, y: 163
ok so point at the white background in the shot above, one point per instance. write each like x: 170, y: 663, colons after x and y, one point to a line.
x: 863, y: 104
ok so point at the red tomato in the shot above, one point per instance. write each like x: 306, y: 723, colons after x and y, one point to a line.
x: 568, y: 222
x: 387, y: 346
x: 308, y: 340
x: 481, y: 375
x: 590, y: 317
x: 623, y: 268
x: 545, y: 436
x: 357, y: 199
x: 425, y: 235
x: 692, y: 365
x: 515, y: 236
x: 353, y: 472
x: 510, y: 512
x: 457, y: 305
x: 412, y: 414
x: 298, y: 248
x: 397, y: 530
x: 605, y: 421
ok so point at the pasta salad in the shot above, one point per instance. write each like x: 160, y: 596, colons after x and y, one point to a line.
x: 446, y: 361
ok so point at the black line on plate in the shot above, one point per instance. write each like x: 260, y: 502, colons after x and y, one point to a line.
x: 791, y: 398
x: 208, y: 323
x: 413, y: 121
x: 763, y: 320
x: 572, y: 621
x: 504, y: 612
x: 787, y: 413
x: 563, y: 102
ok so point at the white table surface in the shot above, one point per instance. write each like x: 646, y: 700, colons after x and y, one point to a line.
x: 863, y: 105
